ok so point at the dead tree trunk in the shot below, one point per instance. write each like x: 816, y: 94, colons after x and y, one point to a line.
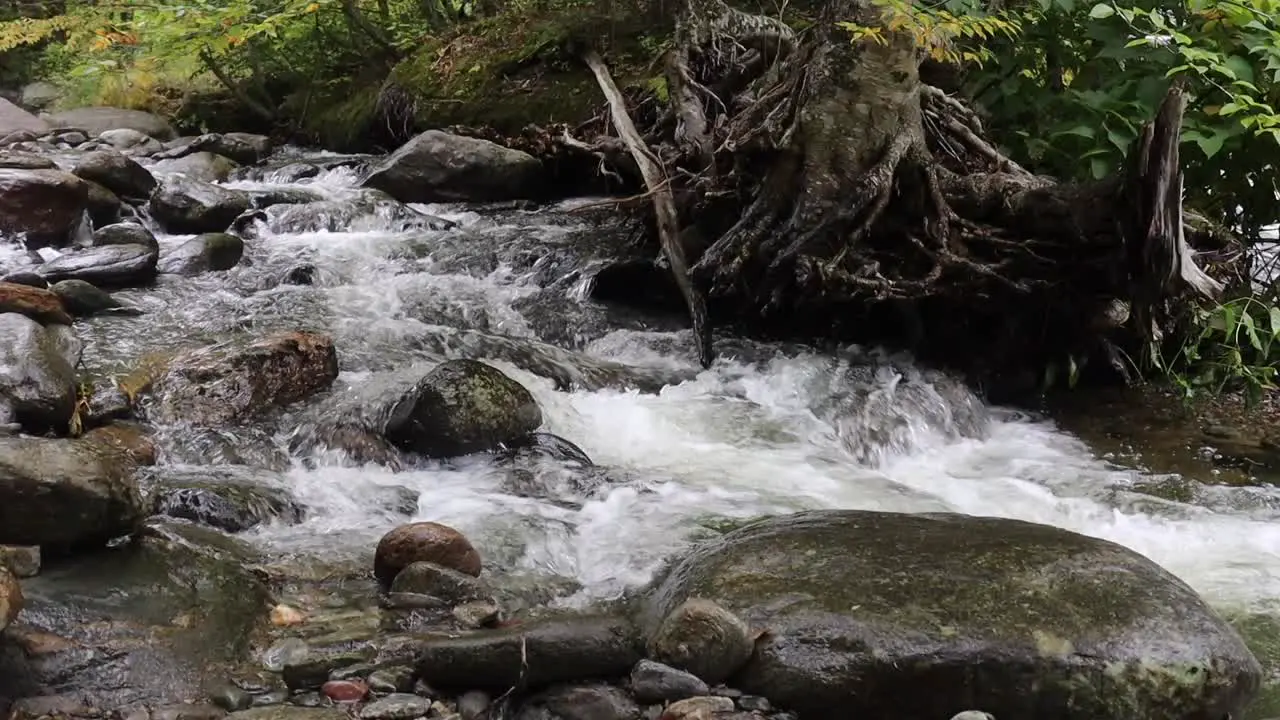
x: 834, y: 182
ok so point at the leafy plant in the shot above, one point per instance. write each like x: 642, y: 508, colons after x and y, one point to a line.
x: 1234, y: 345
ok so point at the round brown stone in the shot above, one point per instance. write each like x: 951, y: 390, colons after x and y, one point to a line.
x: 424, y: 542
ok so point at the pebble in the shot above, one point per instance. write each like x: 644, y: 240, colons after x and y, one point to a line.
x: 23, y: 561
x: 698, y: 708
x: 591, y: 702
x: 271, y: 697
x: 398, y: 706
x: 344, y: 691
x: 391, y: 680
x: 229, y: 697
x: 973, y: 715
x: 284, y: 616
x: 754, y: 703
x: 653, y: 682
x: 478, y: 614
x: 284, y: 652
x: 473, y: 705
x: 309, y: 700
x: 188, y: 712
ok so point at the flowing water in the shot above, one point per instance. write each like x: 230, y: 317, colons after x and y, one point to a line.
x: 768, y: 429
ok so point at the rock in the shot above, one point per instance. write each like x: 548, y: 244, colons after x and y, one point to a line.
x: 125, y: 233
x: 203, y: 166
x: 238, y: 379
x: 393, y: 679
x: 185, y: 206
x: 286, y: 616
x: 188, y: 711
x: 107, y: 265
x: 439, y: 167
x: 37, y: 377
x: 117, y: 173
x: 653, y: 682
x: 288, y: 651
x: 103, y: 205
x: 532, y: 655
x: 698, y: 708
x: 864, y: 610
x: 16, y: 160
x: 290, y: 712
x: 82, y: 298
x: 43, y: 306
x: 312, y: 671
x: 424, y: 542
x: 590, y: 702
x: 24, y: 277
x: 973, y: 715
x: 98, y: 120
x: 23, y: 561
x: 228, y: 498
x: 131, y: 141
x: 478, y: 614
x: 473, y: 705
x: 10, y: 596
x: 14, y: 119
x: 46, y: 205
x: 428, y: 578
x: 344, y: 691
x: 398, y: 706
x: 754, y: 703
x: 37, y: 96
x: 461, y: 407
x: 58, y: 493
x: 229, y: 696
x: 181, y: 602
x: 208, y: 252
x: 703, y: 638
x: 244, y: 148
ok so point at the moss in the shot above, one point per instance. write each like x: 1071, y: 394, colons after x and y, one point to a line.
x: 345, y: 116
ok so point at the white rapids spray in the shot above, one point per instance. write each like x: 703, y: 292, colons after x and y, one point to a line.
x: 765, y: 430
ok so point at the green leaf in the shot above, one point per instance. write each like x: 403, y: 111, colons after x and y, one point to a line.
x: 1274, y: 314
x: 1210, y: 145
x: 1101, y: 11
x: 1100, y: 168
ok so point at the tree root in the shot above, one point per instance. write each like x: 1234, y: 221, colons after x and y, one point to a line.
x: 663, y: 205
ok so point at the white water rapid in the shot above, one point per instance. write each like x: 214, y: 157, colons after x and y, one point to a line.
x: 767, y: 429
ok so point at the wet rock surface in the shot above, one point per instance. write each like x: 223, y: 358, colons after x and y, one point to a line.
x: 185, y: 205
x: 205, y: 253
x: 40, y: 305
x: 37, y: 374
x: 861, y: 624
x: 44, y: 206
x: 424, y: 542
x: 228, y: 498
x: 438, y: 167
x: 107, y: 265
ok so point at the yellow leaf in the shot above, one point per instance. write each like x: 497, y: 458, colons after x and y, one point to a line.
x: 313, y: 7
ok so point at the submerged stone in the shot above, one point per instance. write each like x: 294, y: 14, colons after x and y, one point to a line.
x: 871, y: 614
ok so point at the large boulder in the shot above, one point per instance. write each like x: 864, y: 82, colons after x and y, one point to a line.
x: 14, y: 119
x: 185, y: 206
x: 237, y: 379
x: 10, y: 596
x: 68, y: 493
x: 205, y: 253
x: 37, y: 96
x: 203, y: 166
x: 106, y: 266
x: 97, y: 120
x: 869, y: 614
x: 439, y: 167
x: 37, y: 374
x: 46, y: 205
x: 116, y: 172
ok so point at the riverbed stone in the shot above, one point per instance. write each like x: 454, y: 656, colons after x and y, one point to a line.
x: 43, y: 306
x: 116, y: 172
x: 14, y: 119
x: 84, y: 299
x: 313, y: 669
x: 187, y: 206
x: 97, y: 120
x: 67, y: 493
x: 462, y: 407
x: 590, y: 702
x: 437, y: 166
x: 424, y: 542
x: 883, y: 614
x: 104, y: 206
x: 226, y: 497
x: 290, y: 712
x: 703, y: 638
x: 397, y: 706
x: 244, y: 148
x: 18, y: 160
x: 23, y: 560
x: 699, y: 708
x: 237, y: 379
x: 653, y: 682
x: 125, y: 233
x: 37, y: 376
x: 209, y: 252
x: 10, y: 596
x: 428, y: 578
x: 45, y: 205
x: 532, y: 655
x: 203, y: 166
x: 106, y: 266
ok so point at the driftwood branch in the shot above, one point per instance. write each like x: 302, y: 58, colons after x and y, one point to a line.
x: 663, y: 204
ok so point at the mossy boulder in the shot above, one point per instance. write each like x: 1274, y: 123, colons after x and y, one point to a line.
x: 868, y: 614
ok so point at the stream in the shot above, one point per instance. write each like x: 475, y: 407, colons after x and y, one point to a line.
x: 768, y: 429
